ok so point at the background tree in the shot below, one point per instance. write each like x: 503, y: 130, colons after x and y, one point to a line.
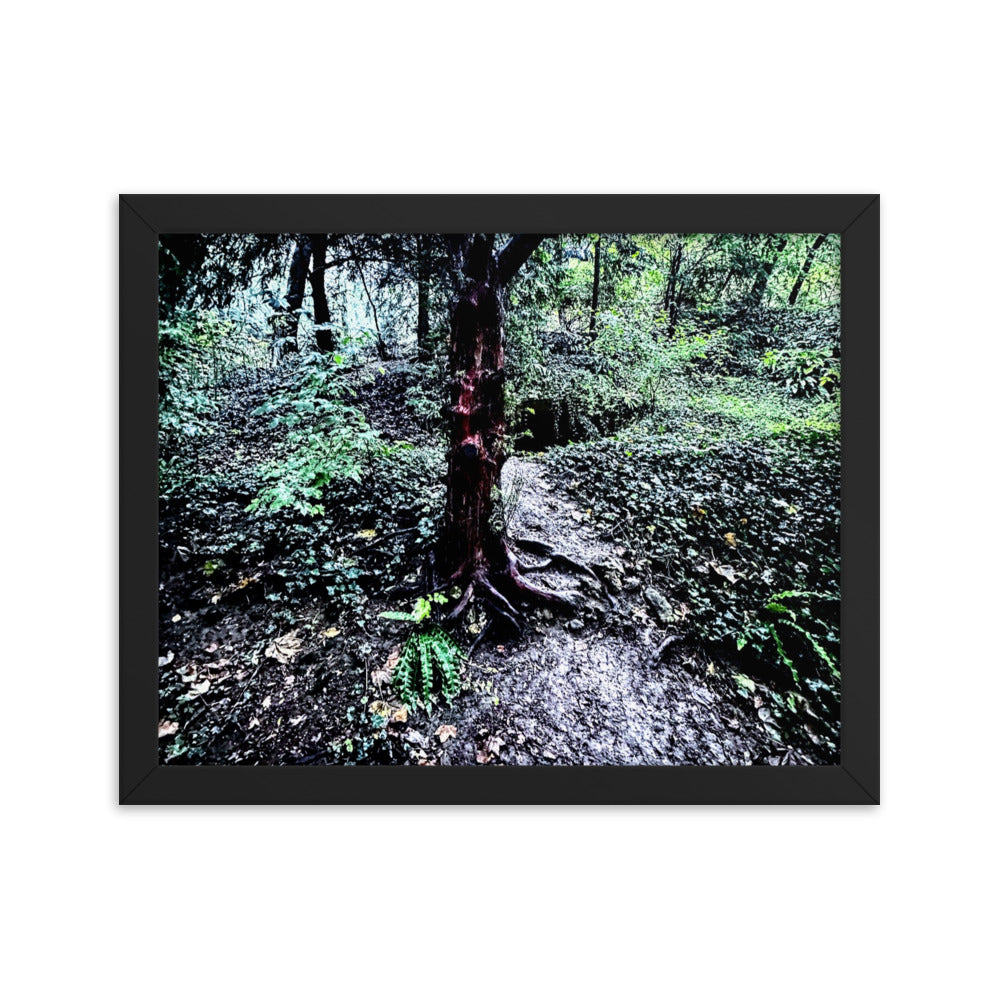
x: 806, y: 266
x: 670, y: 304
x: 765, y: 267
x: 596, y: 290
x: 317, y: 282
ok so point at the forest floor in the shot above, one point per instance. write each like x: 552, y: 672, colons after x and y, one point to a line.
x: 247, y: 677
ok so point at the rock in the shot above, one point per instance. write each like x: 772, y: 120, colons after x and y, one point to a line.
x: 576, y: 625
x: 631, y: 582
x: 658, y: 605
x: 612, y: 572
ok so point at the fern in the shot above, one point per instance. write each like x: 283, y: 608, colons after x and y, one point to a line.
x: 778, y: 625
x: 429, y: 660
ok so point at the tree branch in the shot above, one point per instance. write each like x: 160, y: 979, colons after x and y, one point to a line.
x: 518, y: 249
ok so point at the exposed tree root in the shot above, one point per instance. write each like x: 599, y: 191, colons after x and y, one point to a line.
x: 544, y: 549
x: 489, y: 584
x: 463, y: 603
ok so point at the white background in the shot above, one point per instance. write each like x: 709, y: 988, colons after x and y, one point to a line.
x: 516, y: 97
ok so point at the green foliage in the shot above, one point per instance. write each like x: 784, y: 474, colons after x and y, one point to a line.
x: 430, y: 660
x: 789, y: 625
x: 327, y: 442
x: 185, y: 406
x: 421, y: 610
x: 803, y: 371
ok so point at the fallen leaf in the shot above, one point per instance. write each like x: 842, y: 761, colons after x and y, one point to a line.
x: 445, y: 733
x: 296, y: 720
x: 332, y: 633
x: 382, y: 708
x: 165, y: 661
x: 285, y: 648
x: 196, y: 689
x: 400, y: 715
x: 266, y: 703
x: 475, y: 629
x: 366, y: 533
x: 726, y: 572
x: 211, y: 647
x: 730, y: 538
x: 176, y: 618
x: 216, y: 598
x: 167, y: 728
x: 494, y: 743
x: 384, y: 674
x: 482, y: 757
x: 245, y: 582
x: 253, y: 722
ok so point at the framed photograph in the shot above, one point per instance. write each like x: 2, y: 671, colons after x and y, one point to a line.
x: 499, y: 499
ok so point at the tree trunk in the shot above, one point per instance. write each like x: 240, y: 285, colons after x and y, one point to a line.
x: 383, y: 352
x: 317, y: 281
x: 474, y: 551
x: 764, y: 274
x: 595, y: 294
x: 296, y: 286
x: 477, y: 405
x: 423, y: 300
x: 806, y: 265
x: 670, y: 306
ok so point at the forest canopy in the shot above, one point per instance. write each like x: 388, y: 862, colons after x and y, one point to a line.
x: 499, y: 498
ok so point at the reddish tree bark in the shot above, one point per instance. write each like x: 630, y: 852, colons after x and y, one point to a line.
x: 476, y: 554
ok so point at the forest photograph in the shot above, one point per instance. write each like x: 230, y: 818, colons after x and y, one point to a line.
x: 499, y: 499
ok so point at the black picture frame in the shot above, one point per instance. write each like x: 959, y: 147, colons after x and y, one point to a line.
x: 143, y: 217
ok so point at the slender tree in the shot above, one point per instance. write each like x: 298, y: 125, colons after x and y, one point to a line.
x: 297, y: 272
x: 596, y: 290
x: 765, y: 269
x: 317, y: 282
x: 423, y: 297
x: 806, y: 266
x: 383, y: 351
x: 670, y: 305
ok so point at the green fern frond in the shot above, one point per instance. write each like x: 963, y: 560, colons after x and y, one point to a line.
x: 429, y: 658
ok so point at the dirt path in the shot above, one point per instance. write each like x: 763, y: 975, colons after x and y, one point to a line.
x: 591, y: 690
